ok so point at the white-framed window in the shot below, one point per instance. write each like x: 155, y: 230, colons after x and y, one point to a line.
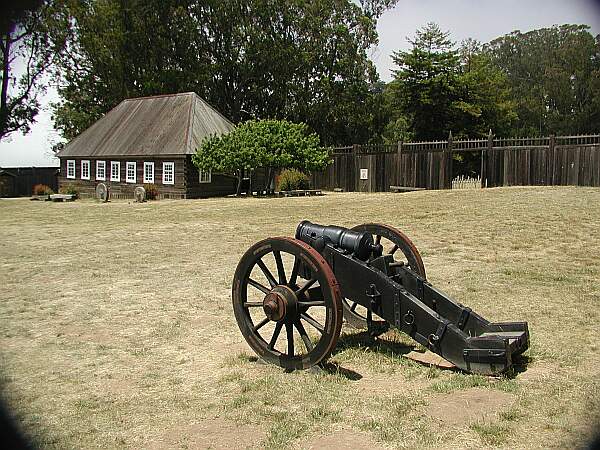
x: 70, y: 168
x: 148, y: 172
x: 168, y: 173
x: 205, y: 176
x: 115, y: 171
x: 130, y: 171
x: 101, y: 170
x: 85, y: 169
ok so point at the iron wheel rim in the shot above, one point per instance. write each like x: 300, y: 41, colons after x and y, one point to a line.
x: 304, y: 351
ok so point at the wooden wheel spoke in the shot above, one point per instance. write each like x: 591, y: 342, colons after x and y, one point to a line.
x: 353, y: 307
x: 295, y: 269
x: 393, y: 250
x: 313, y: 322
x: 377, y: 239
x: 261, y: 324
x: 304, y: 335
x: 257, y: 285
x: 267, y: 272
x: 252, y: 304
x: 280, y: 268
x: 276, y: 332
x: 313, y: 303
x: 307, y: 285
x: 289, y: 328
x: 315, y: 293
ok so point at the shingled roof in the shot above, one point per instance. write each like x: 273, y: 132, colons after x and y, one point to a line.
x: 150, y: 126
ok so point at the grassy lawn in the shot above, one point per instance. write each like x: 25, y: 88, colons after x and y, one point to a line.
x: 117, y: 331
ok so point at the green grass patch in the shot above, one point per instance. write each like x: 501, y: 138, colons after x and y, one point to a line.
x: 459, y: 381
x: 492, y: 433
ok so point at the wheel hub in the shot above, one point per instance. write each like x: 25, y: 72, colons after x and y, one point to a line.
x: 280, y: 303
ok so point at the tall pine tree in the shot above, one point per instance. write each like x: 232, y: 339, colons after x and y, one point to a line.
x: 426, y: 83
x: 438, y: 89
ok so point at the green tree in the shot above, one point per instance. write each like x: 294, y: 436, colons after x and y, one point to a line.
x: 270, y: 144
x: 426, y: 83
x: 27, y: 51
x: 125, y: 48
x: 554, y: 74
x: 484, y: 96
x: 300, y: 60
x: 438, y: 89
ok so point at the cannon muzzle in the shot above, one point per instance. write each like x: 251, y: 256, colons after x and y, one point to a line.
x: 359, y: 243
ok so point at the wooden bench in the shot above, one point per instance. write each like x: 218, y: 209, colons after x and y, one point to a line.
x: 43, y: 198
x: 299, y: 193
x: 314, y: 192
x: 62, y: 197
x: 405, y: 189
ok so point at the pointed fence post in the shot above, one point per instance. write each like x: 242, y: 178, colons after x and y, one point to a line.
x: 399, y: 174
x: 355, y: 178
x: 485, y: 153
x: 447, y: 182
x: 551, y: 157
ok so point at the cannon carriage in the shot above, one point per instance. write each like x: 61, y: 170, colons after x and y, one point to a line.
x: 373, y: 277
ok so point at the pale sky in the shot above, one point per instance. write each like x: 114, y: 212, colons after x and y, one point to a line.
x: 483, y: 20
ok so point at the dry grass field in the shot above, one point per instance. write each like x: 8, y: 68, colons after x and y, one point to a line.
x: 117, y: 331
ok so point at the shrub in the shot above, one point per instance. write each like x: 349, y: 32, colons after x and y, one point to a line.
x: 69, y: 190
x: 292, y: 179
x: 151, y: 191
x: 42, y: 189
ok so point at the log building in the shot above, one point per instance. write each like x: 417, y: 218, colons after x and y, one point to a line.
x: 148, y: 140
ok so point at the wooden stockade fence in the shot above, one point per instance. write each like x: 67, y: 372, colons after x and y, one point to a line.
x: 560, y: 160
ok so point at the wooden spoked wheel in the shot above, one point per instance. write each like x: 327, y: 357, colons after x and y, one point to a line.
x: 287, y: 303
x: 394, y: 243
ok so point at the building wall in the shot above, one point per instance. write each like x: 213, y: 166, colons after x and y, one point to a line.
x: 7, y: 185
x: 122, y: 188
x: 186, y: 182
x: 219, y: 186
x: 27, y: 177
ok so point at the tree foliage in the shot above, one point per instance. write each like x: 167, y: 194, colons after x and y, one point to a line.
x: 438, y: 89
x: 299, y: 60
x: 271, y: 144
x: 555, y: 78
x: 426, y: 82
x: 374, y: 8
x: 27, y: 51
x: 485, y: 97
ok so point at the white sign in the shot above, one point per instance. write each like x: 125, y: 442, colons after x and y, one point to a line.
x: 364, y: 174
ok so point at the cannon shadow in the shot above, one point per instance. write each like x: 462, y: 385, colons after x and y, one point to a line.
x: 363, y: 340
x: 394, y: 349
x: 380, y: 344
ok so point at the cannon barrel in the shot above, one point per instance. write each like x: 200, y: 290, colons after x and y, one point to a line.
x: 359, y: 243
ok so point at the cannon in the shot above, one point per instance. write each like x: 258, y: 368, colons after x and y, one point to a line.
x: 372, y: 276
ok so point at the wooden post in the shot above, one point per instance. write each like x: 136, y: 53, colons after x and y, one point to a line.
x: 355, y: 176
x: 448, y: 163
x: 551, y: 157
x: 399, y: 174
x: 484, y: 157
